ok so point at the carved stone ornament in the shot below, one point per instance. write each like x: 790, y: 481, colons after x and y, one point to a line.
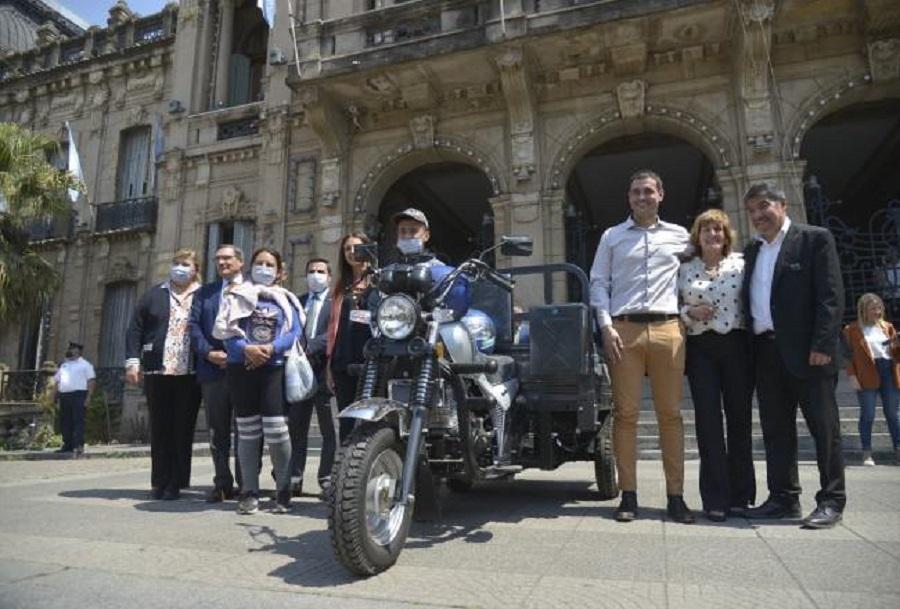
x: 119, y: 14
x: 631, y: 97
x: 330, y: 186
x: 232, y: 198
x: 422, y: 129
x: 884, y: 59
x: 120, y: 269
x: 137, y: 115
x: 758, y: 11
x: 523, y: 164
x: 47, y: 34
x: 274, y: 136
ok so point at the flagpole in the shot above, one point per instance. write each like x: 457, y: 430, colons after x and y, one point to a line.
x: 502, y: 18
x: 294, y: 36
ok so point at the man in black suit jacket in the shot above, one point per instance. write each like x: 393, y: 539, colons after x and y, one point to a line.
x: 317, y: 304
x: 793, y: 300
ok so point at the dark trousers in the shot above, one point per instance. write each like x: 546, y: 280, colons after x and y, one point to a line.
x: 299, y: 416
x: 220, y: 417
x: 71, y: 418
x: 721, y: 379
x: 345, y: 394
x: 173, y: 402
x: 779, y: 393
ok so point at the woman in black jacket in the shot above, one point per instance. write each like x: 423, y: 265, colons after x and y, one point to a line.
x: 158, y: 347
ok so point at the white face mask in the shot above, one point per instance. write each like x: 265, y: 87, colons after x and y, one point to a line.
x: 410, y: 246
x: 263, y: 274
x: 317, y: 281
x: 181, y: 273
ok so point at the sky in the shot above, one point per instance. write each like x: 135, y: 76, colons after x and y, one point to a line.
x: 95, y: 12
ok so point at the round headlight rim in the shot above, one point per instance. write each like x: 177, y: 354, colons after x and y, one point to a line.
x: 412, y: 306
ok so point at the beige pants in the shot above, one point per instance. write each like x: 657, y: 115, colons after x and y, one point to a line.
x: 655, y: 350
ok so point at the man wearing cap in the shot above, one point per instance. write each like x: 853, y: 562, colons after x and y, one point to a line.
x: 634, y: 292
x: 74, y: 385
x: 413, y: 233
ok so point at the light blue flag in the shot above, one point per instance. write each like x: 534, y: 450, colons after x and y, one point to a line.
x: 268, y: 11
x: 74, y: 163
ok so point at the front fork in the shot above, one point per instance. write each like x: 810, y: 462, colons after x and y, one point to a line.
x: 420, y: 399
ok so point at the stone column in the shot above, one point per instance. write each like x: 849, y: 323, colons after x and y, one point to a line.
x: 553, y: 206
x: 223, y: 53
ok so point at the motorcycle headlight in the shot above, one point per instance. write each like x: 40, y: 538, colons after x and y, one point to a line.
x: 397, y: 316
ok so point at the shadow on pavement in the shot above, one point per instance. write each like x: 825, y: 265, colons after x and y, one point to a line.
x: 190, y: 501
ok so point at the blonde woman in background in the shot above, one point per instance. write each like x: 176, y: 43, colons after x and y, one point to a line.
x: 874, y: 369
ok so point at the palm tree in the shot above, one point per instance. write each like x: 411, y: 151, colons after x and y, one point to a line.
x: 31, y: 190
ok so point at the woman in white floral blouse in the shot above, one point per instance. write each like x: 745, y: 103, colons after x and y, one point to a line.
x: 718, y: 365
x: 158, y: 347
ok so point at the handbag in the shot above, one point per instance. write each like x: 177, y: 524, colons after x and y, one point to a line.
x: 299, y: 378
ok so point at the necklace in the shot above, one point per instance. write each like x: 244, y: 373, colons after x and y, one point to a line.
x: 712, y: 270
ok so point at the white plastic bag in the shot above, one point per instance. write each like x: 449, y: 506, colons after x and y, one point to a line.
x: 299, y: 378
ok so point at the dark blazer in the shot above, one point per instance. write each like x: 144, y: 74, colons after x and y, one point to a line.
x: 807, y: 300
x: 317, y: 345
x: 203, y: 315
x: 145, y: 338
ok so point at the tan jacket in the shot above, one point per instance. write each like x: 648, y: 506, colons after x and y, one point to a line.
x: 861, y: 363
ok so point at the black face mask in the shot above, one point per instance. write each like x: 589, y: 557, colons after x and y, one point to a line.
x: 71, y: 353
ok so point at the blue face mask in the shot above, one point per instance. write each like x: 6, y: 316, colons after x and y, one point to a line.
x: 410, y: 246
x: 263, y: 274
x: 181, y: 273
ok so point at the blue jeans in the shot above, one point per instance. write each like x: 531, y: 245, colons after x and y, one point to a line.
x: 890, y: 396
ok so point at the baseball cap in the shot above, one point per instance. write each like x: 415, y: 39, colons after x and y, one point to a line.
x: 413, y: 214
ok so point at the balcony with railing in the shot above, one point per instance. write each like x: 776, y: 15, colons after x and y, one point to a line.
x: 53, y: 228
x: 129, y: 215
x: 389, y: 31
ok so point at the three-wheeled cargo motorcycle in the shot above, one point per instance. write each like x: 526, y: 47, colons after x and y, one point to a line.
x: 432, y: 407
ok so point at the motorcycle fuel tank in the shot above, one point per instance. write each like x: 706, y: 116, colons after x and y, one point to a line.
x: 458, y: 341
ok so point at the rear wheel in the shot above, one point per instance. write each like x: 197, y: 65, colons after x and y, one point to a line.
x: 605, y: 463
x: 368, y: 527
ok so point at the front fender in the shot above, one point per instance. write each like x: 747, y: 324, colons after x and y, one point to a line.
x: 379, y: 409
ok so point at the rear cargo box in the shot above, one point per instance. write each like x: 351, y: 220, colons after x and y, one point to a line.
x: 560, y: 340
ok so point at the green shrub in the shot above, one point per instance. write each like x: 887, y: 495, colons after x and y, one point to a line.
x: 101, y: 419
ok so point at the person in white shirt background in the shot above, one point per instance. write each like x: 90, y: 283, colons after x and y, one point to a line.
x: 75, y: 381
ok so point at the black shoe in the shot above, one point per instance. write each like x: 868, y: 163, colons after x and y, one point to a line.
x: 716, y: 515
x: 823, y: 517
x: 737, y: 510
x: 171, y: 493
x: 282, y: 502
x: 219, y: 494
x: 627, y: 510
x: 772, y: 509
x: 157, y: 492
x: 678, y: 510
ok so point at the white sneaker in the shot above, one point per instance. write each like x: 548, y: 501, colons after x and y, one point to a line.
x: 249, y: 504
x: 868, y: 461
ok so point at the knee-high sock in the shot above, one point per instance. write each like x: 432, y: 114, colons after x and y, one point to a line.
x: 278, y: 440
x: 249, y: 444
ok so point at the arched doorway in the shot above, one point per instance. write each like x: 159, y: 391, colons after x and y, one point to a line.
x: 455, y: 197
x: 852, y: 187
x: 595, y: 191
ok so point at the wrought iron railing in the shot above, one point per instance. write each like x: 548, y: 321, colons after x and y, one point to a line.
x: 130, y: 214
x: 57, y: 227
x: 869, y: 255
x: 239, y: 128
x: 112, y: 382
x: 22, y: 385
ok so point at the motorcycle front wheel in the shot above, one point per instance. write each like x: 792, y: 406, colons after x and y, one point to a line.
x: 368, y: 528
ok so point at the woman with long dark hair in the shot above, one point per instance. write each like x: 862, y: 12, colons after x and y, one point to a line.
x: 346, y: 337
x: 259, y: 321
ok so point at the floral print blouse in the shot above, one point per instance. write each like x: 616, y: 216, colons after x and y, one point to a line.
x: 177, y: 348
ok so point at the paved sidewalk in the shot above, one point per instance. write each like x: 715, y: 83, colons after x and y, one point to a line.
x: 85, y: 533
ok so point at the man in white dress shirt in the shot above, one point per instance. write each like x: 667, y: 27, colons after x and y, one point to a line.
x: 634, y: 291
x: 74, y: 386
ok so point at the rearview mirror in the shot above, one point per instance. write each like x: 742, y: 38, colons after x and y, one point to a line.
x: 366, y: 252
x: 516, y: 245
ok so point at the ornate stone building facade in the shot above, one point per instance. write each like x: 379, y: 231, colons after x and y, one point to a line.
x: 196, y: 126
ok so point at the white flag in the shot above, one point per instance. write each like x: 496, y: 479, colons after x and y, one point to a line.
x: 74, y: 163
x: 268, y: 11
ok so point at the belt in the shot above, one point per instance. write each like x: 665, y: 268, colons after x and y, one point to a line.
x: 767, y: 335
x: 646, y: 318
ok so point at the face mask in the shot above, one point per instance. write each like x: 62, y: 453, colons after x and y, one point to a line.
x: 263, y: 274
x: 181, y: 273
x: 410, y: 246
x: 316, y: 281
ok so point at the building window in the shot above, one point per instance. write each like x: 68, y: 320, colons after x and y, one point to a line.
x: 242, y: 57
x: 133, y: 177
x: 238, y: 233
x: 118, y: 307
